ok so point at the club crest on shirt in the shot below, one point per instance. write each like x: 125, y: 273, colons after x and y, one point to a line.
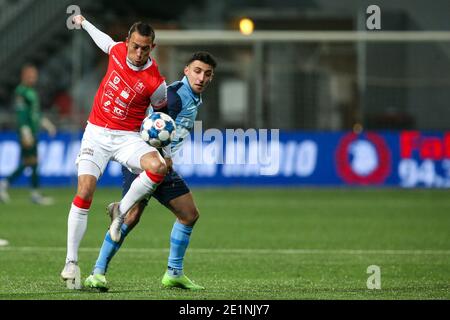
x: 139, y: 87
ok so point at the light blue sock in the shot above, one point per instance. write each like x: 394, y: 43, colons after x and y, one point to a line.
x: 108, y: 250
x: 179, y: 241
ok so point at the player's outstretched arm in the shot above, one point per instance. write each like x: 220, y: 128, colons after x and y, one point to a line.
x: 102, y: 40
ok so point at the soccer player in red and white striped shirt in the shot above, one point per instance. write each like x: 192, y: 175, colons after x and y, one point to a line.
x: 132, y: 83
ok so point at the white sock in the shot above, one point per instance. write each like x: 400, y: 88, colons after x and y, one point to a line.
x: 76, y: 227
x: 140, y: 187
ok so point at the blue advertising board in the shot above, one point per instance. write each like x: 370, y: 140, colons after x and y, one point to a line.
x: 269, y: 158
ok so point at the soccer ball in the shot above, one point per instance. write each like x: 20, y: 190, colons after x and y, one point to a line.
x: 158, y: 129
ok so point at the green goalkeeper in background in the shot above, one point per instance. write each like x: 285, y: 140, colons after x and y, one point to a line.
x: 29, y: 122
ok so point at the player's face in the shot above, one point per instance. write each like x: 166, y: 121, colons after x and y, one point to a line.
x: 199, y: 75
x: 29, y: 76
x: 139, y: 48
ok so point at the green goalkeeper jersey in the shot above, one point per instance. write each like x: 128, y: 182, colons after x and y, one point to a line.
x: 27, y: 107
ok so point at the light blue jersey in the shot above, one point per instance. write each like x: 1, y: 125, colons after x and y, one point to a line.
x: 182, y: 106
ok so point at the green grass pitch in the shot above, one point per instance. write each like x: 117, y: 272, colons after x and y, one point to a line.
x: 288, y: 244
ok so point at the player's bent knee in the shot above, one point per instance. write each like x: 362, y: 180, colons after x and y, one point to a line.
x: 154, y: 164
x: 157, y: 167
x: 190, y: 218
x: 83, y: 196
x: 86, y: 189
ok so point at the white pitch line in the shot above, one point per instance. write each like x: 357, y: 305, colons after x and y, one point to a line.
x: 249, y: 251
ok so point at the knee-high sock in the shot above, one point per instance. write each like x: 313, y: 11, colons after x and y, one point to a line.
x: 108, y: 250
x: 142, y: 186
x: 76, y: 226
x: 179, y: 241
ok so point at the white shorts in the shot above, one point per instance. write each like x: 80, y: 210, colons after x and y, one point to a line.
x: 100, y: 145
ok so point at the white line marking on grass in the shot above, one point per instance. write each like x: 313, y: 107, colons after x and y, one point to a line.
x: 250, y: 251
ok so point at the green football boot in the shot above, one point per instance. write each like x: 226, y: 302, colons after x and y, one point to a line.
x: 182, y: 282
x: 96, y: 281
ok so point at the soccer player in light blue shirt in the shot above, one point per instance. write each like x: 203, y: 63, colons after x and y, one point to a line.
x: 184, y: 99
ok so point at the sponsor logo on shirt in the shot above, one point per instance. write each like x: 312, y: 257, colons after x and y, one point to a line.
x: 139, y: 87
x: 119, y: 112
x: 125, y: 93
x: 121, y: 103
x: 112, y: 85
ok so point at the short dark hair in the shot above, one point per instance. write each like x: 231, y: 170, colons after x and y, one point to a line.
x: 144, y: 29
x: 204, y: 57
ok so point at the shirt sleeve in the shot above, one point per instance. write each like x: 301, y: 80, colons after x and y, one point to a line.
x: 102, y: 40
x: 158, y: 99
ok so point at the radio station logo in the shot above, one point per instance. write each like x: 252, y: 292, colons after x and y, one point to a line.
x: 363, y: 159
